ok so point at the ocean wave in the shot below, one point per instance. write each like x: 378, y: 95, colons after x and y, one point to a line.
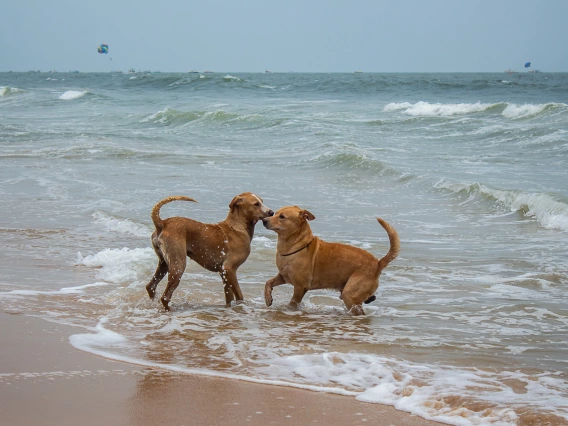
x: 120, y: 265
x: 72, y: 94
x: 352, y: 161
x: 232, y: 78
x: 531, y: 110
x: 173, y: 117
x: 548, y: 211
x: 121, y: 225
x: 507, y: 110
x: 426, y: 109
x: 7, y: 91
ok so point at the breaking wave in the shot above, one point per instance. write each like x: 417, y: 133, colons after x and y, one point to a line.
x: 426, y: 109
x: 69, y: 95
x: 351, y: 162
x: 6, y: 91
x: 121, y: 225
x: 508, y: 110
x: 550, y: 213
x: 173, y: 117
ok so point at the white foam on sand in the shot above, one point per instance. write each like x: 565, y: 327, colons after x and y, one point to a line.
x: 65, y: 290
x: 414, y: 388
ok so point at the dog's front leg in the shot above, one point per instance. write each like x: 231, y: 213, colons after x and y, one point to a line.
x: 231, y: 286
x: 299, y: 293
x: 270, y: 284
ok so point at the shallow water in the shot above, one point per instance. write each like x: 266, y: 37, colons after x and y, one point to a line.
x: 470, y: 323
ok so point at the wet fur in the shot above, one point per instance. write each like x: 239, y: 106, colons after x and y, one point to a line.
x: 220, y: 247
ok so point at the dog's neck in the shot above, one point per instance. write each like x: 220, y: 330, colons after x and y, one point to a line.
x: 295, y: 242
x: 240, y: 223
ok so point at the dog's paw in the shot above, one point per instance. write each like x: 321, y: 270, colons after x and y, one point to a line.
x: 293, y: 306
x: 268, y: 292
x: 268, y: 296
x: 356, y: 310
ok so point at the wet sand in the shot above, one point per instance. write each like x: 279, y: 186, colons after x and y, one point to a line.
x: 44, y: 380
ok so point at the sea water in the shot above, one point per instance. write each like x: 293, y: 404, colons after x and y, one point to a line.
x: 470, y: 325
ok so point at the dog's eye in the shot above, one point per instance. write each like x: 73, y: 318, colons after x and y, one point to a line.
x: 257, y: 204
x: 282, y: 216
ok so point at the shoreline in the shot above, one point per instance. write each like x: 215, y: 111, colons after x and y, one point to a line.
x: 45, y: 380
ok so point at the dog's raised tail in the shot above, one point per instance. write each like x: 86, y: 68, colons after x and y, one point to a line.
x: 158, y: 222
x: 394, y: 245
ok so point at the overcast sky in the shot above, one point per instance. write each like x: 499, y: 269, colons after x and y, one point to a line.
x: 287, y: 35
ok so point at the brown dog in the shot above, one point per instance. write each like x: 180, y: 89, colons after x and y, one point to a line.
x: 220, y: 247
x: 308, y: 263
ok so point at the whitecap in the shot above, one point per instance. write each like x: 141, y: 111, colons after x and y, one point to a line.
x: 120, y: 265
x: 426, y: 109
x: 72, y: 94
x: 549, y: 212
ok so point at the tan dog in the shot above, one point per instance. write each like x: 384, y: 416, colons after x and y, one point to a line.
x: 220, y: 247
x: 308, y: 263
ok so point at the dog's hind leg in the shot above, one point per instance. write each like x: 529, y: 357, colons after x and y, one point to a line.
x: 161, y: 271
x: 356, y: 291
x: 176, y: 270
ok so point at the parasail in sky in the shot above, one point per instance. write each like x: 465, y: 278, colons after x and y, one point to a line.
x: 528, y: 64
x: 103, y: 48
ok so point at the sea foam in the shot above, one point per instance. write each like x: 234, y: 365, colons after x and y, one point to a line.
x: 426, y: 109
x: 72, y: 94
x: 549, y: 212
x: 429, y: 391
x: 530, y: 110
x: 120, y: 265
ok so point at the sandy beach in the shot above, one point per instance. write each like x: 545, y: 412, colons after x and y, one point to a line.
x: 44, y: 380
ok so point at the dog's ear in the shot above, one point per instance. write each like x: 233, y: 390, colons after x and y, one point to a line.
x: 307, y: 215
x: 238, y: 200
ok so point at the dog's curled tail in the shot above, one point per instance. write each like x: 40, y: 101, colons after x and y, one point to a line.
x: 394, y: 245
x: 158, y: 222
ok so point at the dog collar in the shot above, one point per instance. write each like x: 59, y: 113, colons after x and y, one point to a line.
x: 300, y: 249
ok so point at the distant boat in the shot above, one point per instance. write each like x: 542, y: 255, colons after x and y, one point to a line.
x: 357, y: 72
x: 267, y: 71
x: 510, y: 71
x: 131, y: 70
x: 194, y: 72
